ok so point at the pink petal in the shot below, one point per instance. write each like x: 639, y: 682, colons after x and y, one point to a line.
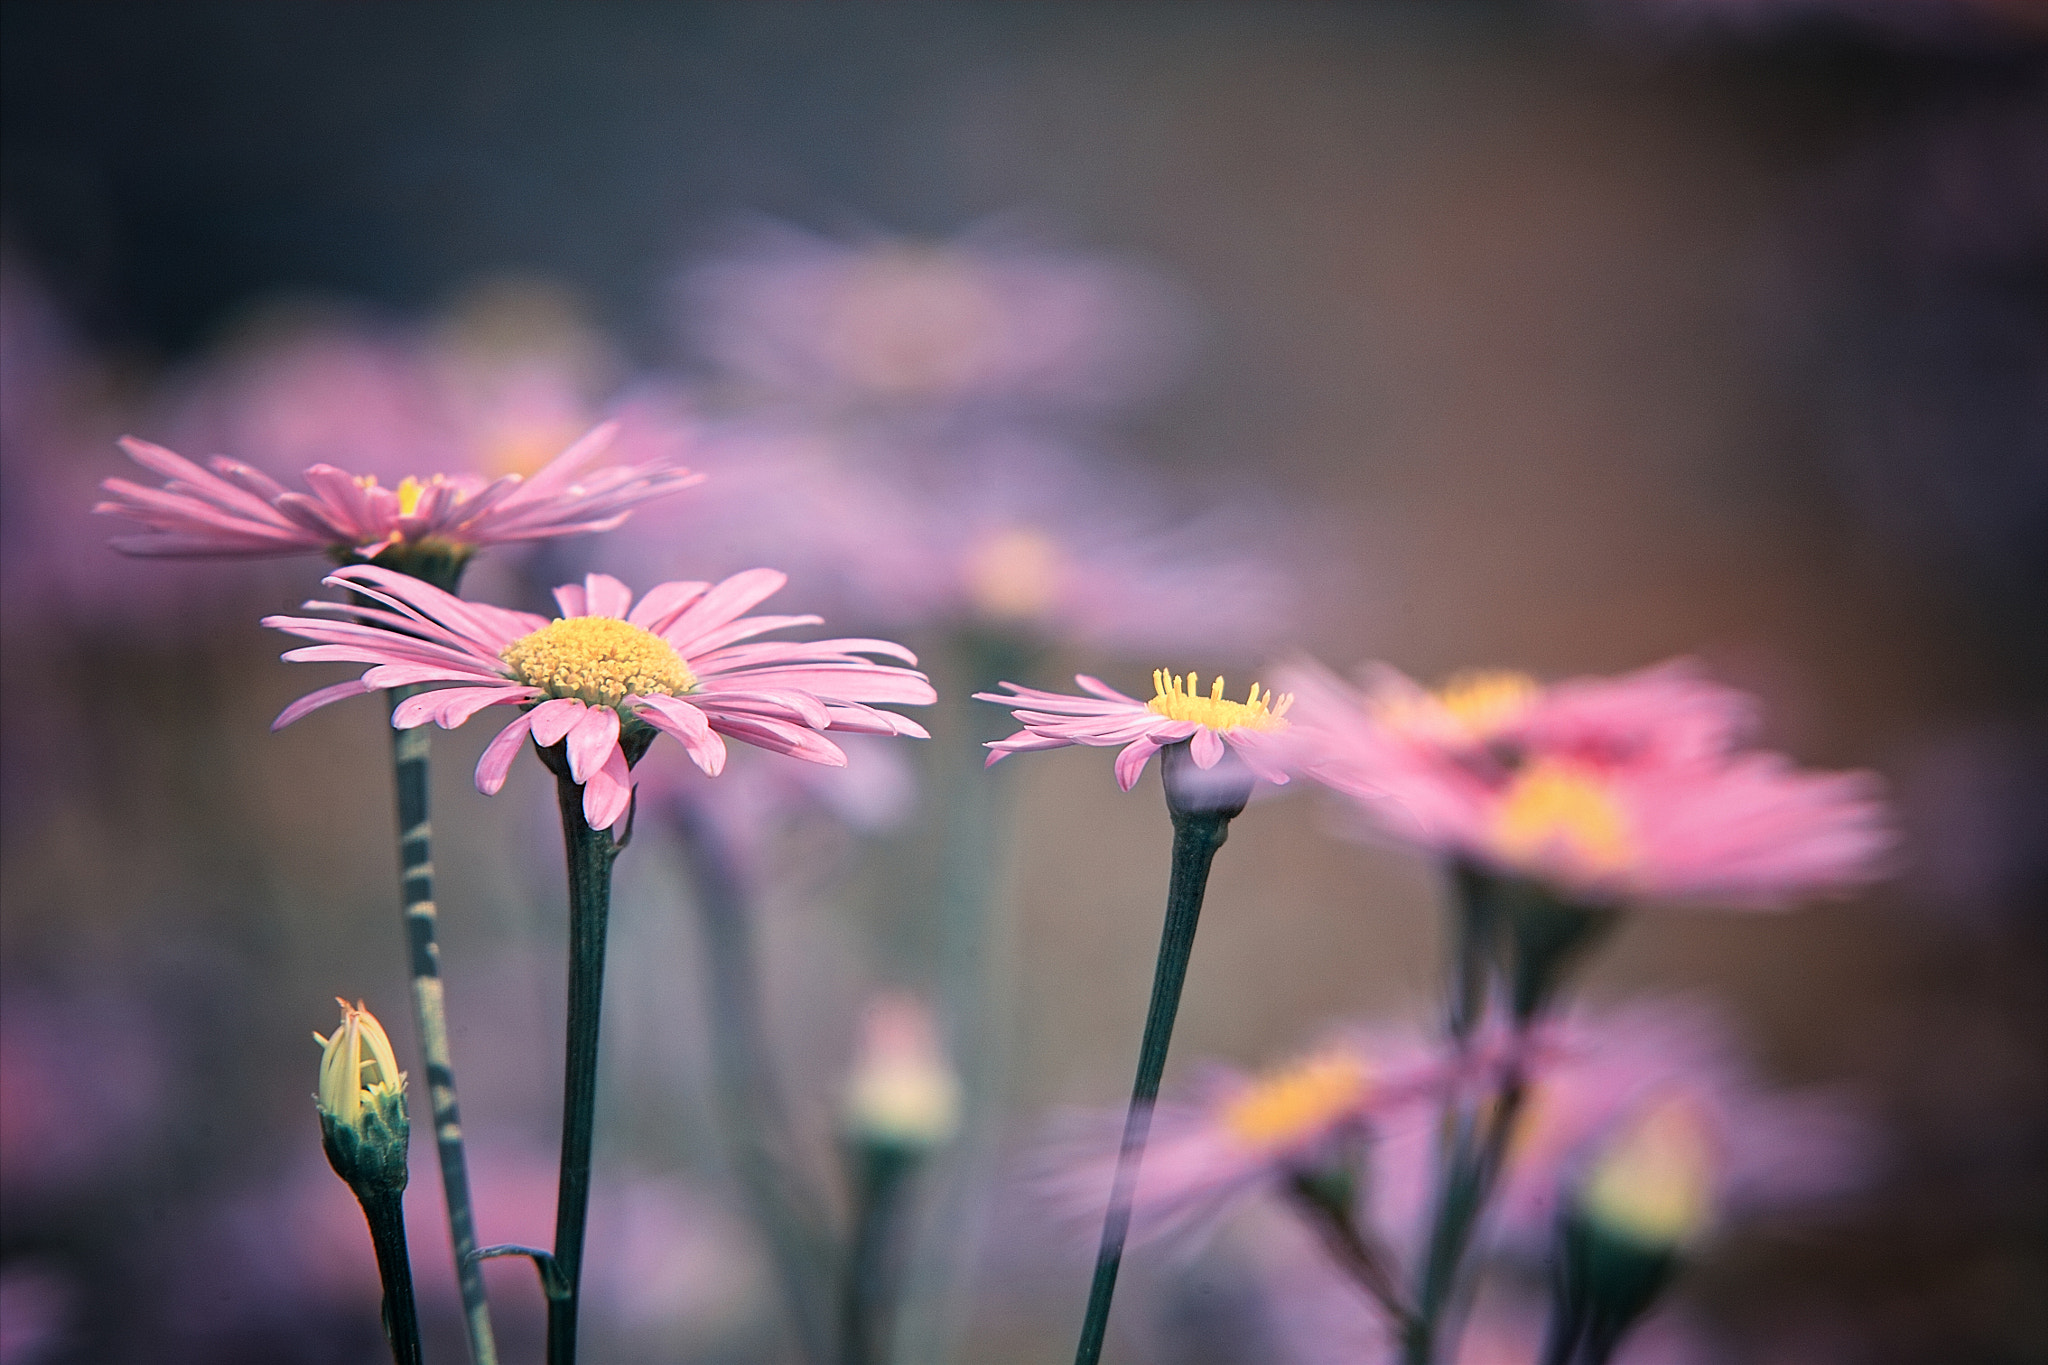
x: 451, y: 706
x: 609, y: 791
x: 1205, y: 746
x: 313, y: 701
x: 604, y: 595
x: 727, y: 601
x: 1131, y: 761
x: 663, y: 603
x: 554, y: 719
x: 590, y: 739
x: 499, y: 753
x: 570, y: 597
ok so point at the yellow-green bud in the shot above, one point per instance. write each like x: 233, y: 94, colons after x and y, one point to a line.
x: 1654, y: 1185
x: 901, y: 1093
x: 361, y: 1100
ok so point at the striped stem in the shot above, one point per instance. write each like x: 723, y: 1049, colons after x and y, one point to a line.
x: 410, y: 751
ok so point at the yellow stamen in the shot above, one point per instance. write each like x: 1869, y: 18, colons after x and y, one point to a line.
x: 1181, y: 699
x: 409, y: 490
x: 1299, y: 1101
x: 1555, y: 807
x: 598, y: 660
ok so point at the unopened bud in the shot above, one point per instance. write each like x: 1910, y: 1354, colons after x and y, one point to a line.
x: 361, y: 1100
x: 901, y: 1093
x: 1654, y: 1184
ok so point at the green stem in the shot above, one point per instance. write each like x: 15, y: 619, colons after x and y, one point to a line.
x: 787, y: 1206
x: 385, y: 1213
x: 1470, y: 1175
x: 590, y: 853
x: 867, y: 1285
x: 1197, y: 834
x: 410, y: 750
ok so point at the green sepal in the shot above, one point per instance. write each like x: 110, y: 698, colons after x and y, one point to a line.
x: 370, y: 1154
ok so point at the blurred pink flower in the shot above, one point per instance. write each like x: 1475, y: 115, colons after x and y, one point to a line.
x: 998, y: 532
x: 674, y: 662
x: 1593, y: 1074
x: 1244, y: 1133
x: 1610, y: 790
x: 984, y: 318
x: 1178, y: 711
x: 235, y: 509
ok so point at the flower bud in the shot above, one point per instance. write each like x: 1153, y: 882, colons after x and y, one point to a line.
x: 361, y: 1101
x: 902, y: 1093
x: 1653, y: 1185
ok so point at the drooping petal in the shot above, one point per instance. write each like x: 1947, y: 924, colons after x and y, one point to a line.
x: 1205, y: 746
x: 497, y: 758
x: 609, y: 791
x: 590, y: 739
x: 1131, y: 761
x: 451, y: 706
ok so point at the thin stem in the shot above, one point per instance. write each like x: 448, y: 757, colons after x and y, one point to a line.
x: 410, y: 751
x: 868, y: 1279
x: 385, y: 1213
x: 1196, y: 837
x: 589, y: 854
x: 1478, y: 1152
x: 785, y: 1203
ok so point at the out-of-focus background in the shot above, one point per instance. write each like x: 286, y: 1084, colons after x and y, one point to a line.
x: 1569, y: 337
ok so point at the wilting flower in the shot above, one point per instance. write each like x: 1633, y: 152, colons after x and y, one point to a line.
x: 1179, y: 710
x: 1606, y: 790
x: 901, y: 1092
x: 1596, y: 1077
x: 1243, y: 1133
x: 608, y: 668
x: 234, y: 509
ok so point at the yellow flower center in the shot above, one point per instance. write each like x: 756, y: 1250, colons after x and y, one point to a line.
x: 1015, y: 574
x: 1180, y: 699
x: 598, y: 660
x: 1476, y: 704
x: 1554, y: 807
x: 1299, y: 1101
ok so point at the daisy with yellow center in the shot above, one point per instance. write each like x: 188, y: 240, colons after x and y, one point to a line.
x: 682, y: 660
x: 229, y: 508
x: 1299, y: 1103
x: 1560, y: 815
x: 1179, y: 711
x: 1472, y: 708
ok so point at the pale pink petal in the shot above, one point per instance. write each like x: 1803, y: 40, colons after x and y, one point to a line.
x: 590, y: 739
x: 1131, y: 761
x: 571, y: 598
x: 728, y: 600
x: 1205, y: 746
x: 496, y: 762
x: 609, y: 791
x: 663, y: 603
x: 604, y: 595
x: 451, y: 706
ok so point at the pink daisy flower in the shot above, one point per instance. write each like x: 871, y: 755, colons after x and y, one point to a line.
x: 608, y: 668
x: 1243, y: 1133
x: 234, y: 509
x: 1607, y: 790
x: 1211, y: 725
